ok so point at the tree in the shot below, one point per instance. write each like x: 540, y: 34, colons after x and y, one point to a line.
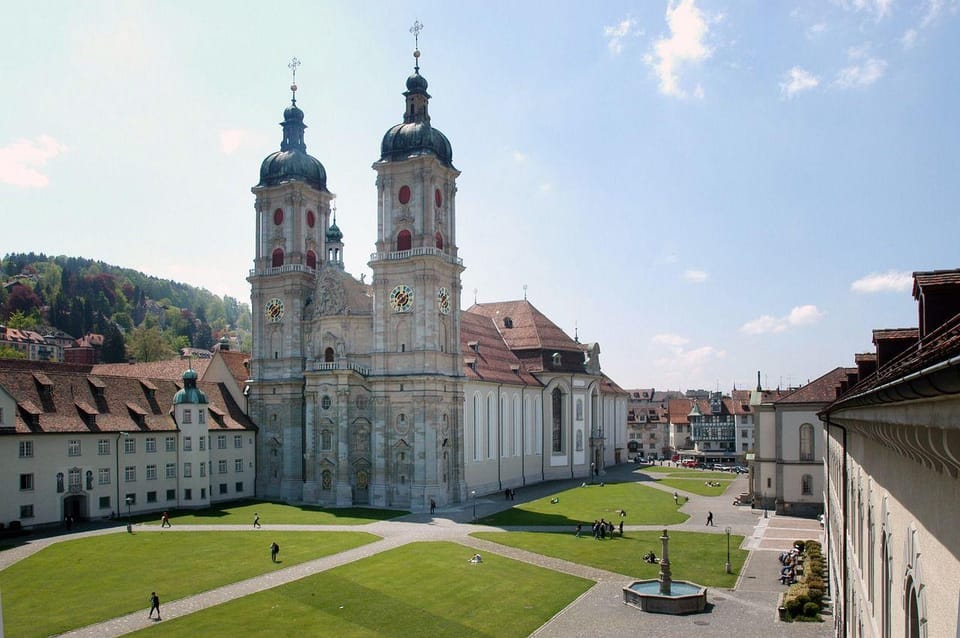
x: 6, y: 352
x: 21, y: 298
x: 113, y: 350
x: 22, y: 321
x: 148, y: 344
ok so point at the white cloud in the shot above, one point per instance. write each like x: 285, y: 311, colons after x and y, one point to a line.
x: 861, y: 75
x: 546, y: 187
x: 688, y: 364
x: 909, y: 38
x: 231, y: 140
x: 858, y: 52
x: 20, y: 161
x: 616, y: 34
x: 815, y: 30
x: 698, y: 92
x: 767, y: 324
x: 890, y: 281
x: 879, y: 8
x: 695, y: 276
x: 686, y: 44
x: 519, y: 157
x: 934, y: 8
x: 796, y: 81
x: 670, y: 340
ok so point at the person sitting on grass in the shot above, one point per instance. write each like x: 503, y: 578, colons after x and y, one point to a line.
x: 555, y: 500
x: 650, y: 557
x: 476, y: 558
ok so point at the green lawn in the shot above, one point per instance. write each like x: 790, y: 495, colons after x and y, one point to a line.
x: 644, y: 506
x: 241, y: 513
x: 694, y: 556
x: 79, y: 582
x: 420, y: 589
x: 685, y: 472
x: 696, y: 485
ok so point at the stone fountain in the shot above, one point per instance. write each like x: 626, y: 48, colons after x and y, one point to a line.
x: 665, y: 595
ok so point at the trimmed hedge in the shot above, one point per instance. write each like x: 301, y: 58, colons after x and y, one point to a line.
x: 804, y: 599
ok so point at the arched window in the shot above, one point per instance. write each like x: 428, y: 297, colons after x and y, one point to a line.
x: 885, y: 585
x: 477, y: 441
x: 504, y: 438
x: 913, y: 610
x: 311, y: 259
x: 328, y: 355
x: 806, y: 442
x: 404, y: 240
x: 439, y: 238
x: 557, y: 416
x: 277, y: 258
x: 491, y: 431
x: 806, y: 485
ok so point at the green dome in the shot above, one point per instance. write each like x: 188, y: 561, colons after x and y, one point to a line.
x: 190, y: 392
x: 415, y: 136
x: 291, y: 162
x: 333, y: 233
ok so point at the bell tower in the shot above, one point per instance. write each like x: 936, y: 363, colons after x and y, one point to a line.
x: 416, y: 310
x: 292, y: 218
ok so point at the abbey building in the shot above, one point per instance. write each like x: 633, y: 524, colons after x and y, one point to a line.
x: 386, y: 393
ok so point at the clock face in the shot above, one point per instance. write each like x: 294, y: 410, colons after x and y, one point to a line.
x: 274, y: 309
x: 401, y: 298
x: 443, y: 301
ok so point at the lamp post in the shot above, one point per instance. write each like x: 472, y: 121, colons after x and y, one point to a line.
x: 592, y: 472
x: 727, y: 565
x: 473, y: 493
x: 129, y: 523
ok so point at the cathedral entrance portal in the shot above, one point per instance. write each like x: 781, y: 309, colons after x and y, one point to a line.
x: 361, y: 485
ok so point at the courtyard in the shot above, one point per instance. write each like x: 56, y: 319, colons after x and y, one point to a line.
x: 393, y: 574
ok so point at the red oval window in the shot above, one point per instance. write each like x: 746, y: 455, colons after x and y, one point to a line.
x: 438, y: 198
x: 278, y: 216
x: 404, y: 194
x: 311, y: 218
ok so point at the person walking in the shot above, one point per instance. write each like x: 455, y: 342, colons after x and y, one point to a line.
x: 579, y: 529
x: 676, y: 498
x: 165, y: 520
x: 710, y: 519
x: 621, y: 529
x: 433, y: 506
x: 256, y: 520
x: 274, y: 550
x: 154, y: 605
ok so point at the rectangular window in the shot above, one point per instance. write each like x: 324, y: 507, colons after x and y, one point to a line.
x: 203, y: 469
x: 171, y: 470
x: 130, y: 473
x: 73, y: 447
x: 187, y: 416
x: 203, y: 443
x: 103, y: 447
x: 104, y: 502
x: 201, y: 416
x: 170, y: 444
x: 238, y: 441
x: 239, y: 486
x: 26, y: 482
x: 221, y: 441
x: 743, y: 447
x: 223, y: 488
x: 238, y: 465
x: 171, y: 495
x: 222, y: 466
x: 26, y: 449
x: 151, y: 497
x: 129, y: 445
x: 187, y: 470
x: 151, y: 472
x: 151, y: 444
x: 203, y: 493
x: 103, y: 476
x: 26, y: 511
x: 188, y: 494
x: 187, y: 444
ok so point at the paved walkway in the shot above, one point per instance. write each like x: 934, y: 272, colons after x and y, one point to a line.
x: 749, y: 609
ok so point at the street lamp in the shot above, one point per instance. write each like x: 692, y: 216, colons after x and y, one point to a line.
x: 473, y: 493
x: 592, y: 470
x: 727, y: 565
x: 129, y: 523
x: 117, y: 477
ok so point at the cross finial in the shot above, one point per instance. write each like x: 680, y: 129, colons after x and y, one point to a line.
x: 334, y: 207
x: 294, y: 63
x: 415, y: 30
x: 524, y: 292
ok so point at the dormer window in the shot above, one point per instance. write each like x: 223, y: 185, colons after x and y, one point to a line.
x: 474, y: 345
x: 556, y: 358
x: 507, y: 322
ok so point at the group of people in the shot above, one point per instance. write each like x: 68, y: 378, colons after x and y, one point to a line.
x: 510, y: 494
x: 601, y: 529
x: 788, y: 566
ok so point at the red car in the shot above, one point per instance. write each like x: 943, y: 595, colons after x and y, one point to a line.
x: 690, y: 463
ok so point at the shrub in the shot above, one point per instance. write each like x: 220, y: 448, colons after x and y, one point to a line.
x: 793, y: 606
x: 811, y: 609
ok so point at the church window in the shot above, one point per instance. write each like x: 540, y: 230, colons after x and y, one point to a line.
x: 556, y: 359
x: 557, y: 418
x: 403, y: 347
x: 311, y: 219
x: 806, y: 485
x: 278, y: 216
x: 476, y: 427
x: 439, y: 239
x: 311, y: 259
x: 490, y: 431
x: 806, y: 442
x: 326, y: 440
x: 325, y: 402
x: 328, y: 355
x: 579, y: 440
x: 579, y: 409
x: 277, y: 259
x: 404, y: 195
x: 404, y: 240
x: 437, y: 197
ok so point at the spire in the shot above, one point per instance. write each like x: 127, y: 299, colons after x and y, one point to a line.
x: 293, y: 126
x: 759, y: 387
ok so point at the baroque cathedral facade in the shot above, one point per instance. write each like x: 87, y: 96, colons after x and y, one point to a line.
x: 359, y: 388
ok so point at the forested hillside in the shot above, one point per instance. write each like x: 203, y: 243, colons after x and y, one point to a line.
x: 139, y: 315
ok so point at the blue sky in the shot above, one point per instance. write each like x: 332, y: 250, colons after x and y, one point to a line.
x: 707, y: 189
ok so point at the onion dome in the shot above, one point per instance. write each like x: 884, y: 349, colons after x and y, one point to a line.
x: 190, y: 392
x: 291, y: 162
x: 333, y: 233
x: 415, y: 136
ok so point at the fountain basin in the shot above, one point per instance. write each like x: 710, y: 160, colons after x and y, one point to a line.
x: 684, y: 597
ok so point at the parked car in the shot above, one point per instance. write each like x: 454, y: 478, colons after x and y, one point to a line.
x: 690, y: 463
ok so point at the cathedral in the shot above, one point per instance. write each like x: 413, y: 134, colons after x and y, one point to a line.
x: 385, y: 393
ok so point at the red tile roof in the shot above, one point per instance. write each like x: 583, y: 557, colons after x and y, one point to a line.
x: 492, y: 360
x: 934, y: 278
x: 531, y: 329
x: 821, y: 390
x: 171, y: 369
